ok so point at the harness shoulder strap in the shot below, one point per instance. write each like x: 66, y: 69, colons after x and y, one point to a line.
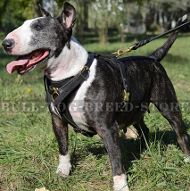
x: 58, y: 105
x: 74, y: 82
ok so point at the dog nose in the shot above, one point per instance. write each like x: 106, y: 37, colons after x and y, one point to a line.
x: 8, y: 44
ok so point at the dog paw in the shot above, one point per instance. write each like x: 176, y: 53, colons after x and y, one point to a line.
x: 131, y: 133
x: 126, y: 188
x: 63, y: 171
x: 187, y: 159
x: 120, y: 183
x: 64, y: 166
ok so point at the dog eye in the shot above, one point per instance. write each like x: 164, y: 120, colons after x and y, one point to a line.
x: 37, y: 27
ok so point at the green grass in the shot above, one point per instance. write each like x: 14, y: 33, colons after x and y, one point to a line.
x: 29, y: 153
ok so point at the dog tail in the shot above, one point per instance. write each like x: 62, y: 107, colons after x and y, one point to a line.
x: 161, y: 52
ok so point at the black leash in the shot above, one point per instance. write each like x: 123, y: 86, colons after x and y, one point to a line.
x: 137, y: 45
x: 146, y: 41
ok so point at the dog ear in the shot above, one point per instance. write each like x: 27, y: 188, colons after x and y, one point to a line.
x: 68, y: 15
x: 44, y: 12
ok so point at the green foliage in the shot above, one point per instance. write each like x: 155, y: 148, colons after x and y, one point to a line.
x: 101, y: 16
x: 15, y: 12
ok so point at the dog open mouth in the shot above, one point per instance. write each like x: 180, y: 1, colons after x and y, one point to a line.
x: 27, y: 62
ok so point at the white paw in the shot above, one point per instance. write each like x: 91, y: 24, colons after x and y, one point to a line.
x: 187, y: 159
x: 64, y: 166
x: 131, y: 133
x: 126, y: 188
x: 120, y: 183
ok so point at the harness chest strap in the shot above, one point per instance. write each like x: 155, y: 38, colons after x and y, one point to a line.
x: 58, y: 92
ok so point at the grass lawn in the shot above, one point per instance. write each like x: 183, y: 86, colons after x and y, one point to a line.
x: 29, y: 152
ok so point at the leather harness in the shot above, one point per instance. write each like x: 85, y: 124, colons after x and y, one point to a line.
x: 57, y: 93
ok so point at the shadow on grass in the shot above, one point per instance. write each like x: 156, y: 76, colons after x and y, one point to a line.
x: 97, y: 151
x: 132, y: 149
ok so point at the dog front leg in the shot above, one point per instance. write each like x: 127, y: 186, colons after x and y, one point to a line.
x: 61, y: 132
x: 110, y: 137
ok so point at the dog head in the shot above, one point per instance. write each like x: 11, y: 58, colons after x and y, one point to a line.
x: 39, y: 38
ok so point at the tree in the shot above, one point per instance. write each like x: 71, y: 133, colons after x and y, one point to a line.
x: 107, y: 13
x: 168, y: 11
x: 14, y: 13
x: 82, y: 17
x: 3, y: 6
x: 119, y: 17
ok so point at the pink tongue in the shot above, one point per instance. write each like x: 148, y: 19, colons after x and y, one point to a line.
x: 14, y: 65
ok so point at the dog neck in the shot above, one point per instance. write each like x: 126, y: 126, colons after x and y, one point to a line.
x: 68, y: 63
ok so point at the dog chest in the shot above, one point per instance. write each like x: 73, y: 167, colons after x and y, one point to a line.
x: 76, y: 106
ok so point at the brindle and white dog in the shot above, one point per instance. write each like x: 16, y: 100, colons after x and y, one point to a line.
x: 51, y: 38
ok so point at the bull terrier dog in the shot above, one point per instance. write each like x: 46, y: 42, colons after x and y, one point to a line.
x: 74, y: 77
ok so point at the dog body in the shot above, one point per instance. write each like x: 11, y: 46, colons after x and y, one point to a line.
x: 96, y: 105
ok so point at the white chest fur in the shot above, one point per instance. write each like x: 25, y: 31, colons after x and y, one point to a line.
x: 69, y: 63
x: 77, y: 105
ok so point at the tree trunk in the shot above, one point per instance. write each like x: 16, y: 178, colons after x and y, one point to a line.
x: 122, y: 34
x: 82, y: 19
x: 103, y: 35
x: 85, y: 14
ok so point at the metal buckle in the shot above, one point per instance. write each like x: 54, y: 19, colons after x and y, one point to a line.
x: 86, y: 68
x: 125, y: 95
x: 55, y: 93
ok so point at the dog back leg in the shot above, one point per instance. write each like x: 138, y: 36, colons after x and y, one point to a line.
x: 164, y: 98
x: 143, y: 131
x: 110, y: 138
x: 175, y: 120
x: 61, y: 134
